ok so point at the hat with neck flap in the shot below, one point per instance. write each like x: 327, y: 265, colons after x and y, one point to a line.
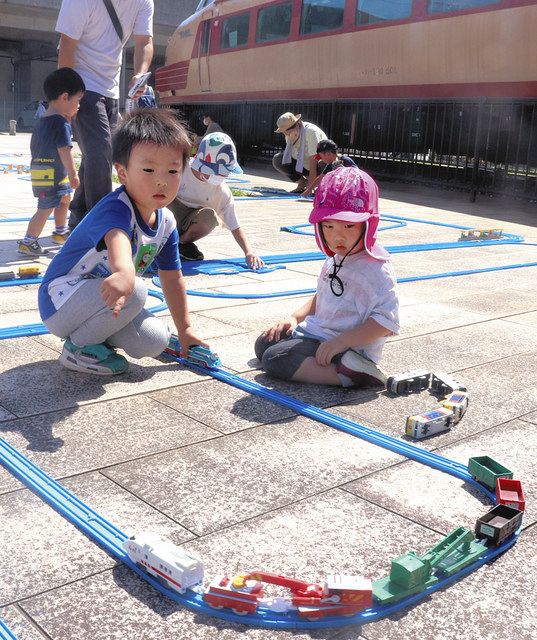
x: 348, y: 194
x: 216, y: 156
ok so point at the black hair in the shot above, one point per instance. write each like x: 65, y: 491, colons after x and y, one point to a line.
x: 327, y: 145
x: 208, y: 114
x: 63, y: 80
x: 159, y: 126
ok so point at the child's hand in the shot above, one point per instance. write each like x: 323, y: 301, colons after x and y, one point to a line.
x: 280, y: 330
x: 253, y: 261
x: 187, y: 339
x: 74, y: 180
x: 327, y: 350
x: 116, y: 289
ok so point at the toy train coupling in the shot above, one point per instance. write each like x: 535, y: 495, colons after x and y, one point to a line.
x: 443, y: 383
x: 409, y: 382
x: 197, y: 354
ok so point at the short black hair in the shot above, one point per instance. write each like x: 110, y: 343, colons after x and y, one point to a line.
x: 208, y: 114
x: 327, y: 145
x: 63, y: 80
x: 160, y: 126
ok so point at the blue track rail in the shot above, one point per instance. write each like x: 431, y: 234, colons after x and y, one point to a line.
x: 6, y: 633
x: 111, y: 538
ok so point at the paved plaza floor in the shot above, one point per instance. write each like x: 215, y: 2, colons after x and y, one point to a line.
x: 248, y: 485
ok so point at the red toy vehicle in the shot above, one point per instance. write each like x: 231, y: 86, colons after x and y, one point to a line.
x: 234, y: 594
x: 509, y: 492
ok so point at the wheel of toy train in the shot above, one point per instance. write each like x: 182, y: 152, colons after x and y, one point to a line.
x: 215, y: 606
x: 142, y: 567
x: 240, y: 612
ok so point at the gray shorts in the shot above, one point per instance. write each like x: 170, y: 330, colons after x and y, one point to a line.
x: 283, y: 359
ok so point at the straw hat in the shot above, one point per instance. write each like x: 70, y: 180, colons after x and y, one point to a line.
x: 286, y: 121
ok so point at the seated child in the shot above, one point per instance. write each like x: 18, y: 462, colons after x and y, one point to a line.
x: 338, y: 335
x: 53, y: 168
x: 91, y: 294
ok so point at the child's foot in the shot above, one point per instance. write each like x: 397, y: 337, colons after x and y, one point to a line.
x: 189, y: 251
x: 31, y: 248
x: 360, y: 371
x: 60, y: 238
x: 98, y: 359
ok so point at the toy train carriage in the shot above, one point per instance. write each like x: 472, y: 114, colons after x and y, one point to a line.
x: 443, y: 383
x: 409, y: 382
x: 197, y: 354
x: 457, y: 402
x: 499, y: 523
x: 486, y: 470
x: 343, y: 596
x: 429, y: 423
x: 510, y: 493
x: 171, y: 565
x: 241, y: 599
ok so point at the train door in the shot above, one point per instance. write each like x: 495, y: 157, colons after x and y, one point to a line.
x: 203, y: 56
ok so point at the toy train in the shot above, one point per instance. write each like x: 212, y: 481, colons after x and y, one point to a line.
x: 30, y: 271
x: 197, y: 354
x: 457, y: 403
x: 429, y: 423
x: 409, y: 382
x: 443, y: 383
x: 169, y: 564
x: 481, y: 234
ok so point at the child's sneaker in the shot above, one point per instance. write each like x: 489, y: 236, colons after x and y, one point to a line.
x: 360, y: 371
x: 60, y: 238
x: 98, y: 359
x: 31, y: 249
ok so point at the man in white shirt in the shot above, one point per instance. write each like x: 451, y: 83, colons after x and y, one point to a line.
x: 299, y: 160
x: 90, y: 43
x: 204, y: 200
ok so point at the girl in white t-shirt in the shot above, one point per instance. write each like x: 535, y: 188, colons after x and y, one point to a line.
x: 337, y: 336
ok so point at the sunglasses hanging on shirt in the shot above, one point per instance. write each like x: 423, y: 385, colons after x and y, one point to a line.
x: 336, y: 283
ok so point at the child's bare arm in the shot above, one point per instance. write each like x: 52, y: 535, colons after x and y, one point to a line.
x: 252, y: 260
x: 173, y: 287
x: 119, y: 285
x: 66, y: 156
x: 285, y: 328
x: 366, y: 333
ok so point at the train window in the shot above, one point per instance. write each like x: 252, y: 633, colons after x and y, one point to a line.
x: 205, y: 37
x: 371, y: 11
x: 235, y: 31
x: 444, y: 6
x: 274, y: 23
x: 321, y: 15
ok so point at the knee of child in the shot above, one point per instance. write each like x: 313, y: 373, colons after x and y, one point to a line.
x: 139, y: 293
x: 261, y: 345
x: 271, y: 363
x: 153, y: 338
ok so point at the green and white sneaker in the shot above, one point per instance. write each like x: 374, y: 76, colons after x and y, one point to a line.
x: 98, y: 359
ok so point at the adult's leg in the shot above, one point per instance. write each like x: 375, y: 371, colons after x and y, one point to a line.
x: 93, y: 128
x: 287, y: 170
x: 85, y: 319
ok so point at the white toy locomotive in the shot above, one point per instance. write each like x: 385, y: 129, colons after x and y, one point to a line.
x: 171, y: 565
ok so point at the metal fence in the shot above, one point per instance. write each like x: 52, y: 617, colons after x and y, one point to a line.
x: 483, y: 146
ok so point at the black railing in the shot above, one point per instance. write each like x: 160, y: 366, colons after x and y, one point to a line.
x: 483, y: 146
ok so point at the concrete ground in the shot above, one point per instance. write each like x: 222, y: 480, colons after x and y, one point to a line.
x: 248, y: 485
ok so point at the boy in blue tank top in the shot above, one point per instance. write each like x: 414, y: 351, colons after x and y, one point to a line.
x: 92, y: 294
x: 53, y: 168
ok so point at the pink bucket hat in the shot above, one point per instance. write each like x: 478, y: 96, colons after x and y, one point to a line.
x: 348, y: 194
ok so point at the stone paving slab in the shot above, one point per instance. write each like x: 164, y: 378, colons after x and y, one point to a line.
x: 267, y: 489
x: 212, y: 485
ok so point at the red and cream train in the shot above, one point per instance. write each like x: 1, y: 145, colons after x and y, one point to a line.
x: 269, y: 51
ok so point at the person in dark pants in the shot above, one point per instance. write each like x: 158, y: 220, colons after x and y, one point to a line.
x: 92, y: 38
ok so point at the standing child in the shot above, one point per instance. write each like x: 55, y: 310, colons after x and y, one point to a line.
x: 53, y: 168
x: 91, y: 294
x: 337, y: 337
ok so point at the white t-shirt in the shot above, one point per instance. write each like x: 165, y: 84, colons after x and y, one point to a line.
x: 369, y: 291
x: 99, y: 51
x: 314, y: 135
x: 196, y: 194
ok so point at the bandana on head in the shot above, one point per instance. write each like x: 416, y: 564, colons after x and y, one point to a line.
x: 216, y: 156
